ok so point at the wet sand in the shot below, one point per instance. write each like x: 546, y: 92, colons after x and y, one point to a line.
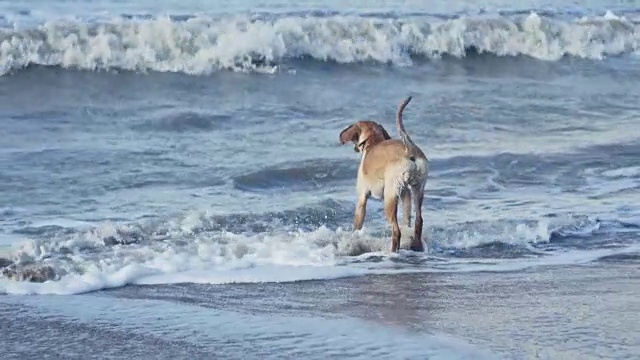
x: 570, y: 312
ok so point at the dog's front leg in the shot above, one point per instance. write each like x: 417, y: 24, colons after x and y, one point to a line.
x: 361, y: 211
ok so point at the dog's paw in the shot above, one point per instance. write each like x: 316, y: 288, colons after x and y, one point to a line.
x: 417, y: 247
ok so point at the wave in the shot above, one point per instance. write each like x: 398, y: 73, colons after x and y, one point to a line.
x: 302, y: 175
x: 184, y: 121
x: 301, y: 244
x: 202, y: 45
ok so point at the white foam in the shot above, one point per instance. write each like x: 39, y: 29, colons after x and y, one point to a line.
x: 202, y: 45
x: 519, y: 233
x: 189, y: 253
x: 267, y: 273
x: 141, y: 274
x: 630, y: 171
x: 61, y: 222
x: 617, y: 181
x: 145, y: 274
x: 90, y: 265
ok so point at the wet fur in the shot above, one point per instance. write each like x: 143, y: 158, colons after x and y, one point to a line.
x: 392, y: 170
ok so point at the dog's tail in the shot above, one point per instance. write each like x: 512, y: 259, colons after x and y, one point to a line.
x: 406, y: 139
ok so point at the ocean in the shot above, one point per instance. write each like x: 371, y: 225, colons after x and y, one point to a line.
x: 172, y: 184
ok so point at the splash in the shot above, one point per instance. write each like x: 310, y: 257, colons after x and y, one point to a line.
x: 199, y: 247
x: 203, y: 45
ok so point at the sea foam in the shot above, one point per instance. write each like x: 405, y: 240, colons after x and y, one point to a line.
x: 201, y: 45
x: 187, y: 250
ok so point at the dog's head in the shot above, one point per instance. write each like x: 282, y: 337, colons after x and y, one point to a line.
x: 364, y: 134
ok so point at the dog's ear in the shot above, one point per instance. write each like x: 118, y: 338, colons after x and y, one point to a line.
x: 350, y: 133
x: 382, y: 132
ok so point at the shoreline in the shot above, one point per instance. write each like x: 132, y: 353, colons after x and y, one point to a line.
x: 558, y: 312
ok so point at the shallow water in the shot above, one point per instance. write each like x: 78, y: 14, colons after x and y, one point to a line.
x: 162, y: 143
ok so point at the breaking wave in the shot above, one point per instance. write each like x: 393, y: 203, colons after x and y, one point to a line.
x: 202, y: 45
x: 300, y: 244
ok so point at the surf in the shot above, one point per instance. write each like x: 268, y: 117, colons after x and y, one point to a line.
x: 200, y: 45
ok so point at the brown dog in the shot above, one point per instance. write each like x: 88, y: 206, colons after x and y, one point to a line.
x: 390, y: 170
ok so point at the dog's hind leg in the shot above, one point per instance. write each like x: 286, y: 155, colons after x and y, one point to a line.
x: 391, y: 213
x: 406, y: 206
x: 418, y: 197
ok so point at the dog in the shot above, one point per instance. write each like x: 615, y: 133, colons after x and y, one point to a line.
x: 390, y: 170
